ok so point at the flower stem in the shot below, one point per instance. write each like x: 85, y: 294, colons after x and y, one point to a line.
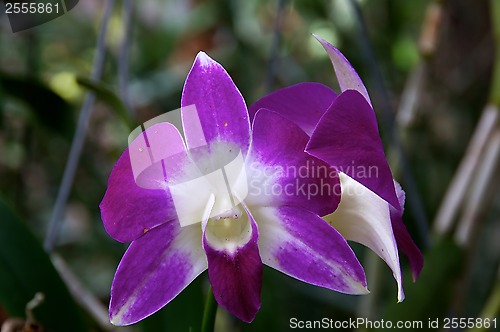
x: 80, y: 133
x: 208, y: 322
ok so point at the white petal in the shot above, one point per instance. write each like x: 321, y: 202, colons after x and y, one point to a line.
x: 362, y: 216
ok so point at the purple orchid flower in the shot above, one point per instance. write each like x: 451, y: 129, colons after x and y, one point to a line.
x: 343, y: 132
x: 232, y: 235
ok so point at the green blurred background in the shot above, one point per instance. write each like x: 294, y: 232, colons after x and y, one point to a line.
x: 428, y: 65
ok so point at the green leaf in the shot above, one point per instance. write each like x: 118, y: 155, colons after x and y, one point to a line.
x: 49, y: 109
x: 25, y: 269
x: 107, y: 95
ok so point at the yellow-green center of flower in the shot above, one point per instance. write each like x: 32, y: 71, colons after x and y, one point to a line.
x: 229, y: 230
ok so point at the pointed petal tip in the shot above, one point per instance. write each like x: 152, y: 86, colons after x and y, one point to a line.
x: 415, y: 271
x: 209, y: 87
x: 248, y: 318
x: 327, y: 46
x: 317, y: 37
x: 116, y: 320
x: 119, y: 321
x: 118, y: 316
x: 322, y: 41
x: 362, y: 290
x: 347, y: 76
x: 338, y: 58
x: 357, y: 288
x: 401, y: 294
x: 204, y: 59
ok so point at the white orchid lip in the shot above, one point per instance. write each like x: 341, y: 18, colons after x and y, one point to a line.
x: 229, y: 230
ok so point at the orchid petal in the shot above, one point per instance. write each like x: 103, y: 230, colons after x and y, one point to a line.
x: 364, y: 217
x: 347, y: 76
x: 221, y: 114
x: 303, y: 104
x: 234, y: 265
x: 302, y: 245
x: 155, y: 268
x: 137, y: 199
x: 154, y: 152
x: 347, y: 138
x: 403, y: 238
x: 281, y: 173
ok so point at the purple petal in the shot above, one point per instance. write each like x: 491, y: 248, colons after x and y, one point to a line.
x: 302, y: 245
x: 281, y: 173
x: 303, y: 104
x: 234, y: 265
x: 155, y: 153
x: 347, y: 138
x: 137, y: 198
x: 363, y: 217
x: 347, y: 77
x: 406, y: 244
x: 221, y: 111
x: 127, y: 210
x: 403, y: 238
x: 155, y: 268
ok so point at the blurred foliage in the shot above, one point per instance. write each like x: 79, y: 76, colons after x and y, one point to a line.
x: 42, y: 86
x: 442, y: 267
x: 108, y: 96
x: 27, y: 270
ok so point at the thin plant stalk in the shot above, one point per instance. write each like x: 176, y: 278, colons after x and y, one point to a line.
x: 275, y: 45
x: 209, y: 313
x: 81, y: 294
x: 457, y: 190
x: 123, y: 59
x: 480, y: 191
x: 79, y: 137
